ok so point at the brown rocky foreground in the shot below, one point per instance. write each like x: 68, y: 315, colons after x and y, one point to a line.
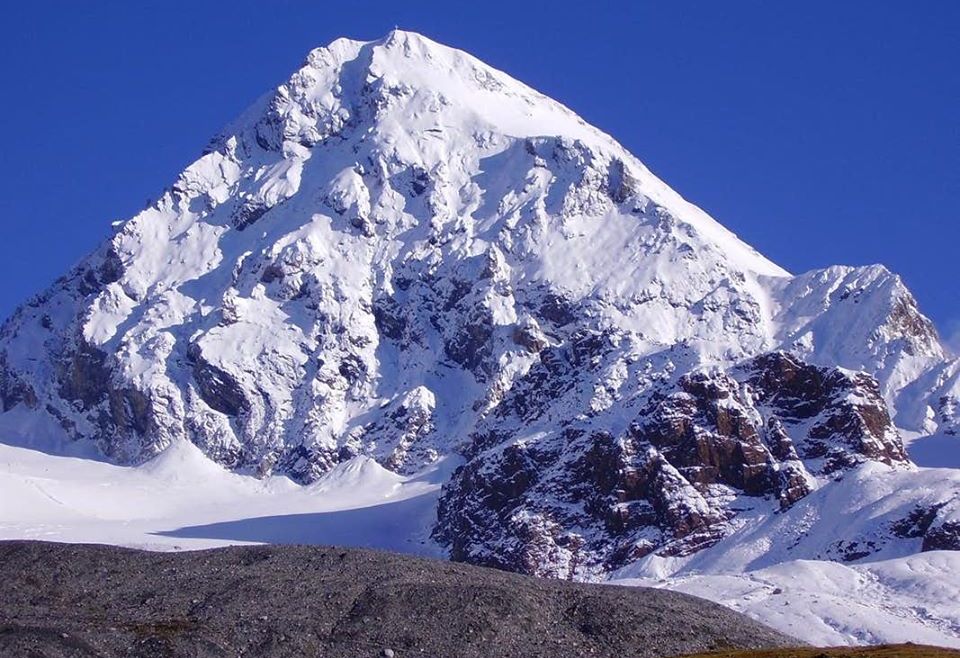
x: 80, y: 601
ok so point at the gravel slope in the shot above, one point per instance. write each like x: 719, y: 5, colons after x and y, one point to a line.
x: 72, y: 600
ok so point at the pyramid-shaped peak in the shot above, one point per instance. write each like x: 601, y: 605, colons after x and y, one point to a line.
x: 396, y: 44
x: 423, y: 103
x: 403, y: 259
x: 414, y: 60
x: 417, y: 46
x: 405, y: 38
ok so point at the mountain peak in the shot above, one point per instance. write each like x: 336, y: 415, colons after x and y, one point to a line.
x: 406, y: 61
x: 423, y: 102
x: 404, y: 254
x: 407, y: 40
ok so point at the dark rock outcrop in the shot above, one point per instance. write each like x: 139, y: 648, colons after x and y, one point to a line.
x: 217, y: 387
x: 944, y: 537
x: 579, y: 501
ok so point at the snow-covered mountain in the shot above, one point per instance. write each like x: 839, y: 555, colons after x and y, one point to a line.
x: 406, y: 255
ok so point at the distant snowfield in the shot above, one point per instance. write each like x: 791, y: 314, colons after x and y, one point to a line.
x: 183, y: 501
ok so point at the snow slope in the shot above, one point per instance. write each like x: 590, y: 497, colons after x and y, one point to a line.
x: 911, y: 599
x: 840, y: 567
x: 182, y: 500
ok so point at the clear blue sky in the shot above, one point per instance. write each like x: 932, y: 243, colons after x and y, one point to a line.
x: 820, y: 132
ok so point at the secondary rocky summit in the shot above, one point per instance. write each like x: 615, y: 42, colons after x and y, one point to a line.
x: 403, y: 253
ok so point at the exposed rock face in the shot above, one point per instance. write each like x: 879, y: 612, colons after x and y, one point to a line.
x: 944, y: 537
x: 402, y: 431
x: 843, y: 413
x: 581, y: 500
x: 938, y: 525
x: 405, y: 254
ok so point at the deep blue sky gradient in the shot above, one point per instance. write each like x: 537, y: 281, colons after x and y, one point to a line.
x: 820, y: 132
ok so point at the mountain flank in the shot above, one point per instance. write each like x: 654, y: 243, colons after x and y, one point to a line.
x: 404, y: 255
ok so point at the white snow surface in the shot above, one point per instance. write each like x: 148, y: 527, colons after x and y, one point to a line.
x: 181, y: 500
x: 911, y: 599
x: 381, y: 163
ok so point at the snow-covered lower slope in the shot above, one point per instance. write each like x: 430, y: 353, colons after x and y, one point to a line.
x: 843, y: 566
x: 182, y: 500
x: 875, y: 513
x: 909, y: 599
